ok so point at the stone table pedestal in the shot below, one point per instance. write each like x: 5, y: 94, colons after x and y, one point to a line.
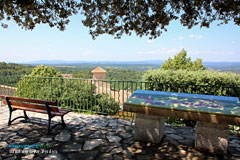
x: 149, y: 128
x: 211, y: 137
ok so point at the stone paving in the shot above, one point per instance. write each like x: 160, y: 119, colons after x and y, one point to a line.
x: 88, y: 137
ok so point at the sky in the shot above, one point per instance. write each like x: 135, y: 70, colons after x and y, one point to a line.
x: 214, y: 44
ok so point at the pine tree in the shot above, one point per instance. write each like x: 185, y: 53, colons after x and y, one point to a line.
x: 180, y: 61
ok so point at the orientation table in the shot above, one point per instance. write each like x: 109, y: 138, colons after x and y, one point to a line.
x: 212, y: 113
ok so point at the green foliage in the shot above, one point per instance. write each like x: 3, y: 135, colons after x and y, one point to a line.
x: 44, y: 71
x: 145, y: 18
x: 201, y: 82
x: 77, y: 71
x: 180, y: 61
x: 38, y: 87
x: 28, y: 13
x: 9, y: 69
x: 76, y: 94
x: 106, y: 104
x: 123, y: 78
x: 123, y: 74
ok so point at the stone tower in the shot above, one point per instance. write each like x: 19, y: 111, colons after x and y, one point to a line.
x: 99, y: 73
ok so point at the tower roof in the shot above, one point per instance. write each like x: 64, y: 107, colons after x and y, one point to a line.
x: 99, y: 70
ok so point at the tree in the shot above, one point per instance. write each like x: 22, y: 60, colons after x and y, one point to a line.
x: 28, y: 13
x: 80, y: 95
x: 118, y: 17
x: 180, y: 61
x: 44, y: 71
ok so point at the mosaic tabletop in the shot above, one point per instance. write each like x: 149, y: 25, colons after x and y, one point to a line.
x: 186, y: 102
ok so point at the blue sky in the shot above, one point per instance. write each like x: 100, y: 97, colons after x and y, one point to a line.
x: 214, y: 44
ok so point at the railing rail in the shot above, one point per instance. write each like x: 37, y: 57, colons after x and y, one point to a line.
x: 96, y: 96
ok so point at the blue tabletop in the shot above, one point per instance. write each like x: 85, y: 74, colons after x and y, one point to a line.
x: 184, y: 101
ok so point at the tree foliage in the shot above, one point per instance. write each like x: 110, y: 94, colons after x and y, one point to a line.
x: 9, y: 69
x: 44, y: 71
x: 199, y: 82
x: 196, y: 82
x: 118, y: 17
x: 28, y: 13
x: 80, y: 95
x: 180, y: 61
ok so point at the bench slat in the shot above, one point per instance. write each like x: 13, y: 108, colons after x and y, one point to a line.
x: 33, y: 106
x: 62, y: 111
x: 28, y: 100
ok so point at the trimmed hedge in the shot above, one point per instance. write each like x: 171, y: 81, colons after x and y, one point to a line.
x: 197, y: 82
x: 200, y: 82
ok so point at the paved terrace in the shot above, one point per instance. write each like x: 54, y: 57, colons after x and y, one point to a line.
x: 97, y: 137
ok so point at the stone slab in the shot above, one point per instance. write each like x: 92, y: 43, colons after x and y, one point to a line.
x: 211, y: 137
x: 149, y: 128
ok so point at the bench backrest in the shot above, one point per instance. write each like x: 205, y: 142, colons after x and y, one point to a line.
x: 29, y: 103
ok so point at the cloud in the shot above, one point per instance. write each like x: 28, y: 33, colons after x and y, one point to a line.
x: 234, y: 42
x: 179, y: 38
x: 196, y: 36
x: 150, y: 41
x: 140, y: 52
x: 87, y: 52
x: 211, y: 52
x: 153, y: 52
x: 173, y: 50
x: 159, y: 51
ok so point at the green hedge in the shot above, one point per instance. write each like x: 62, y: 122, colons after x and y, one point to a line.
x: 200, y: 82
x: 76, y: 94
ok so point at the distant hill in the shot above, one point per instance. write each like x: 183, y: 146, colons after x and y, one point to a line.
x: 8, y: 69
x: 221, y: 64
x: 57, y: 62
x: 136, y: 65
x: 224, y: 66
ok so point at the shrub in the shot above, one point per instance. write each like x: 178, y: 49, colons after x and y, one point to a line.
x: 76, y: 94
x: 106, y: 104
x: 180, y: 61
x: 200, y: 82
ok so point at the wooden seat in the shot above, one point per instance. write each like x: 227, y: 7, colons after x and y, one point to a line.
x: 34, y: 105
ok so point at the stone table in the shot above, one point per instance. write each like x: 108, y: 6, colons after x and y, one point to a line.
x: 212, y: 113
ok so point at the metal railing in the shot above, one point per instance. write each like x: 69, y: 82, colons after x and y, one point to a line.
x: 96, y: 96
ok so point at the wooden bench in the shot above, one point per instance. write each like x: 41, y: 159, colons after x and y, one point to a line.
x: 34, y: 105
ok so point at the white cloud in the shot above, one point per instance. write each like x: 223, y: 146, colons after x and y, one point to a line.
x: 140, y: 52
x: 179, y: 38
x: 152, y: 52
x: 173, y: 50
x: 211, y: 52
x: 160, y: 51
x: 196, y: 36
x: 150, y: 41
x: 87, y: 52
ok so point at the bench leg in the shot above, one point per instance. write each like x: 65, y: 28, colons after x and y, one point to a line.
x: 63, y: 123
x: 25, y: 115
x: 49, y: 126
x: 9, y: 119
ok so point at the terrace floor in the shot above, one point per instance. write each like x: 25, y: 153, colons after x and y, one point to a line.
x: 97, y: 137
